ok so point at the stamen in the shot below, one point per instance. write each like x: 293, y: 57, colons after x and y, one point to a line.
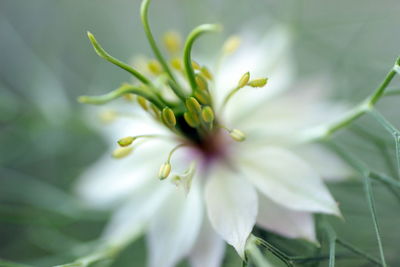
x: 176, y: 63
x: 258, y: 82
x: 206, y: 73
x: 244, y: 80
x: 122, y: 152
x: 142, y: 102
x: 201, y: 83
x: 126, y: 141
x: 193, y: 106
x: 102, y: 53
x: 203, y: 96
x: 154, y: 67
x: 168, y: 117
x: 165, y: 168
x: 172, y: 41
x: 237, y: 135
x: 231, y: 45
x: 196, y: 65
x: 108, y: 116
x: 207, y: 114
x: 192, y: 119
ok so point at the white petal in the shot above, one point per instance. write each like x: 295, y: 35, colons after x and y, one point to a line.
x: 329, y: 166
x: 287, y: 180
x: 232, y: 207
x: 286, y: 222
x: 131, y: 219
x: 108, y: 180
x: 209, y: 248
x: 174, y: 228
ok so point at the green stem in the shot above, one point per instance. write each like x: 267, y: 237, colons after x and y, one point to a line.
x: 144, y: 16
x: 102, y: 53
x: 331, y: 235
x: 125, y: 89
x: 187, y: 59
x: 357, y: 251
x: 371, y: 205
x: 362, y: 108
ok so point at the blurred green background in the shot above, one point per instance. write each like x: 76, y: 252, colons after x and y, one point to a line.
x: 45, y: 142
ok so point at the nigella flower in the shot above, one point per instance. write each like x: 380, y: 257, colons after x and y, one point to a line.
x: 229, y: 151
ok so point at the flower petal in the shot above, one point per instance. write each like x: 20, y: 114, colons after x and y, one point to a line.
x: 174, y: 228
x: 286, y: 222
x: 130, y: 219
x: 209, y: 248
x: 120, y: 177
x: 329, y: 166
x: 232, y: 207
x: 287, y: 180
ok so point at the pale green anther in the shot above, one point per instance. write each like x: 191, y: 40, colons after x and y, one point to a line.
x: 192, y: 105
x: 122, y: 152
x: 201, y: 83
x: 187, y: 58
x: 206, y: 73
x: 142, y: 102
x: 258, y: 82
x: 237, y: 135
x: 126, y: 141
x: 102, y: 53
x: 191, y: 119
x: 244, y: 80
x: 155, y: 110
x: 207, y: 114
x: 165, y: 170
x: 168, y: 117
x: 203, y: 97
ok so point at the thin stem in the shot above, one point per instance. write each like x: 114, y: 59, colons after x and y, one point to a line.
x: 361, y: 109
x: 144, y: 16
x: 331, y: 235
x: 102, y: 53
x: 357, y: 251
x: 125, y: 89
x: 372, y: 208
x: 187, y: 58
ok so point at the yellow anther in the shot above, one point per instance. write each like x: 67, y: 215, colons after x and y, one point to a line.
x: 173, y: 42
x: 154, y: 67
x: 192, y: 119
x: 155, y: 110
x: 168, y: 117
x: 207, y: 114
x: 237, y: 135
x: 122, y: 152
x: 258, y: 82
x: 201, y: 83
x: 244, y: 80
x: 108, y: 116
x: 176, y: 63
x: 203, y: 97
x: 142, y: 102
x: 231, y: 45
x: 129, y: 97
x: 126, y: 141
x: 206, y: 73
x: 195, y: 65
x: 192, y: 105
x: 165, y: 170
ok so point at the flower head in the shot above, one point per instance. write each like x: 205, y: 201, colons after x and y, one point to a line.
x: 224, y: 138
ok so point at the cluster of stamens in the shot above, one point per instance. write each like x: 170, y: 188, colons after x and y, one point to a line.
x: 190, y: 112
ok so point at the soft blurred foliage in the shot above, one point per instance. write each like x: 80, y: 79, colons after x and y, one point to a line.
x: 45, y: 142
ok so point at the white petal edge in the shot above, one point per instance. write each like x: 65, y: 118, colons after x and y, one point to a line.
x: 174, y: 228
x: 286, y: 222
x: 232, y: 207
x: 209, y: 248
x: 287, y: 180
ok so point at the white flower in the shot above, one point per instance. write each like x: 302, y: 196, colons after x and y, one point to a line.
x: 219, y: 189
